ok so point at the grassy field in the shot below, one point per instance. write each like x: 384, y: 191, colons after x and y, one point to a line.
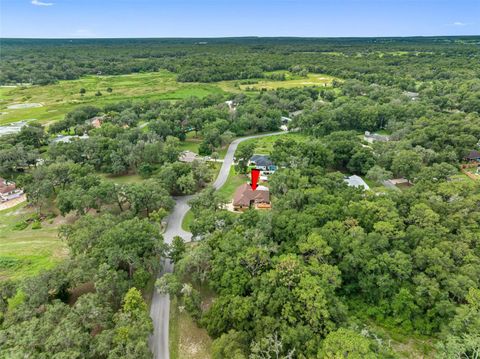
x: 57, y: 99
x: 290, y: 82
x: 26, y: 252
x: 125, y: 179
x: 264, y: 145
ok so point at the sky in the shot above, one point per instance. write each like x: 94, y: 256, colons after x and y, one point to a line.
x: 226, y: 18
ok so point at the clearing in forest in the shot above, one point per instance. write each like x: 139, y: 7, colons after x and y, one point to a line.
x: 26, y: 252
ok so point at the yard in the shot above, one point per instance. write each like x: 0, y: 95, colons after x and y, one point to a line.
x: 25, y: 252
x: 264, y: 145
x: 187, y: 340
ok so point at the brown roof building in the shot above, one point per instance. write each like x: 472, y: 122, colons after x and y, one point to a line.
x: 245, y: 197
x: 6, y: 187
x: 8, y: 190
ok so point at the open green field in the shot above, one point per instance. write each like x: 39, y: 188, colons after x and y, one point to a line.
x: 124, y: 179
x: 264, y: 145
x: 60, y: 98
x: 290, y: 82
x: 26, y: 252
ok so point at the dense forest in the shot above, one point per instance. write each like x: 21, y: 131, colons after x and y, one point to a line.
x: 373, y: 60
x: 312, y: 278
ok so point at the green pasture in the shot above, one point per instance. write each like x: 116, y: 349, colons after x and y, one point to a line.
x: 293, y: 81
x: 28, y: 251
x: 60, y: 98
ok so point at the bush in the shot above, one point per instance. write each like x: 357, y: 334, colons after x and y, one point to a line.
x: 20, y: 226
x: 36, y: 225
x: 8, y: 262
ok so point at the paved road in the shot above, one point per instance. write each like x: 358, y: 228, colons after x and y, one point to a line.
x: 160, y: 308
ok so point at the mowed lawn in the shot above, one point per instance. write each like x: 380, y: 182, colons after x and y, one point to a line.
x: 60, y: 98
x: 26, y: 252
x: 264, y: 145
x: 291, y: 81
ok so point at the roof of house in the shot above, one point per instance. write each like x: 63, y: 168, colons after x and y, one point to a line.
x: 96, y: 121
x: 261, y: 160
x: 377, y: 137
x: 6, y: 186
x: 244, y: 195
x: 296, y: 113
x: 68, y: 139
x: 411, y: 94
x: 473, y: 155
x: 188, y: 156
x: 356, y: 181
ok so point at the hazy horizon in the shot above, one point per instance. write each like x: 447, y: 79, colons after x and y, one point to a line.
x: 67, y: 19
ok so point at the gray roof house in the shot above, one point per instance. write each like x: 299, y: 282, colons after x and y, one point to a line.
x: 356, y: 181
x: 262, y: 162
x: 375, y: 137
x: 68, y: 139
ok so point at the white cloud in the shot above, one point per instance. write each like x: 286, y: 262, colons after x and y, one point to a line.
x: 459, y: 23
x: 41, y: 3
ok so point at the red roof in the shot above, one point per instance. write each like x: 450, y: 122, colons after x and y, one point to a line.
x: 7, y: 189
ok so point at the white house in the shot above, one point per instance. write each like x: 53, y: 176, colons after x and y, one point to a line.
x: 356, y: 181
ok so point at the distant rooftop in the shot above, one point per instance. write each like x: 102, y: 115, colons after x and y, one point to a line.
x: 356, y: 181
x: 68, y: 139
x: 261, y: 160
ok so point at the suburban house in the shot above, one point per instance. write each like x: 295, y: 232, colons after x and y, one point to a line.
x: 262, y: 163
x: 473, y: 156
x: 245, y: 198
x: 285, y: 123
x: 232, y: 106
x: 295, y: 113
x: 8, y: 190
x: 68, y: 139
x: 96, y: 121
x: 356, y: 181
x: 413, y: 96
x: 375, y: 137
x: 188, y: 157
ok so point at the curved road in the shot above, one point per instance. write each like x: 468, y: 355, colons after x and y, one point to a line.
x: 160, y: 307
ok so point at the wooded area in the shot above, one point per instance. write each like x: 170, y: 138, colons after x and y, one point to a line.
x: 314, y: 277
